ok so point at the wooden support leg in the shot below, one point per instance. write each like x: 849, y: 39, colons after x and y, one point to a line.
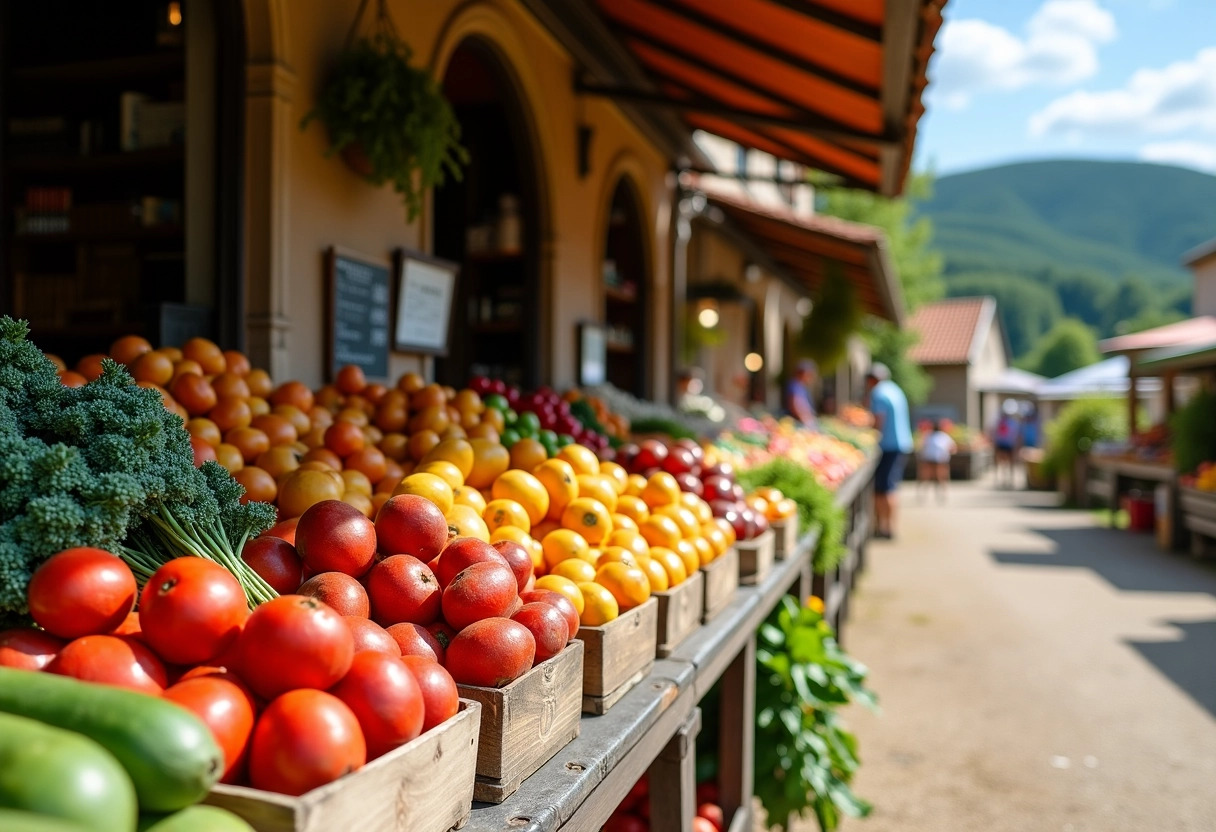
x: 673, y: 779
x: 736, y: 745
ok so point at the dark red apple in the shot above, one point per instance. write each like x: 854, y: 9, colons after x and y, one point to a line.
x: 651, y: 454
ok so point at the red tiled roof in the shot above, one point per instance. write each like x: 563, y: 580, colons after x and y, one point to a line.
x: 949, y: 329
x: 1196, y: 332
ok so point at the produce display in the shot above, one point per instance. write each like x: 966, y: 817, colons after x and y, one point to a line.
x: 1203, y: 479
x: 755, y: 442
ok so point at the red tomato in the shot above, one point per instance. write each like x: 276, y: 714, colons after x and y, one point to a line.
x: 81, y: 592
x: 284, y: 530
x: 700, y: 824
x: 227, y: 709
x: 439, y: 693
x: 518, y: 558
x: 342, y: 593
x: 28, y: 649
x: 462, y: 553
x: 294, y: 642
x: 558, y: 601
x: 370, y: 636
x: 304, y: 739
x: 112, y: 660
x: 276, y: 561
x: 411, y: 525
x: 547, y: 625
x: 333, y: 536
x: 191, y: 610
x: 491, y: 653
x: 403, y: 588
x: 386, y: 700
x: 484, y: 590
x: 416, y: 640
x: 712, y: 813
x: 130, y: 626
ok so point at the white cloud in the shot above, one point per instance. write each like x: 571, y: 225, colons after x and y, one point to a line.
x: 1060, y: 48
x: 1191, y: 154
x: 1179, y: 97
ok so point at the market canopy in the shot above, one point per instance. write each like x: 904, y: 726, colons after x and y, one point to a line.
x: 1106, y: 378
x: 1193, y: 332
x: 831, y: 84
x: 810, y: 247
x: 1013, y: 382
x: 1177, y: 359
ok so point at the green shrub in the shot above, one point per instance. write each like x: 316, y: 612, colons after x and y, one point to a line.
x: 1079, y: 425
x: 1194, y: 432
x: 816, y: 506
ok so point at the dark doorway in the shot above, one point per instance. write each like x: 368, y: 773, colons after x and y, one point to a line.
x: 626, y: 279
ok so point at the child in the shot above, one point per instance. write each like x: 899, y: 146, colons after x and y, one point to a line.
x: 935, y: 457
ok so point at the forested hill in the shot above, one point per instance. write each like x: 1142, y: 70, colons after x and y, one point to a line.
x: 1099, y: 241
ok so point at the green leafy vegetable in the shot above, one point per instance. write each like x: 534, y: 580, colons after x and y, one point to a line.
x: 667, y: 427
x: 816, y: 506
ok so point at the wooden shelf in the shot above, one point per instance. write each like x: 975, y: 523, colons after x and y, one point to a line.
x: 620, y: 349
x: 620, y: 295
x: 99, y: 163
x: 152, y: 67
x: 156, y: 232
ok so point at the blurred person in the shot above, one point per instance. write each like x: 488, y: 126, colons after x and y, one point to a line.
x: 890, y: 408
x: 797, y: 399
x: 1031, y: 427
x: 933, y: 465
x: 1005, y: 441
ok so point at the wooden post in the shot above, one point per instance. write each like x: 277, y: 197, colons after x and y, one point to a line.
x: 1167, y: 382
x: 736, y: 745
x: 673, y: 779
x: 1131, y: 396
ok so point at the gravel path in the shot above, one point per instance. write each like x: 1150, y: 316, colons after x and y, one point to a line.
x: 1037, y: 672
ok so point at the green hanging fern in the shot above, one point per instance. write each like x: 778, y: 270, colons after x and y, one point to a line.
x: 376, y: 104
x: 837, y: 314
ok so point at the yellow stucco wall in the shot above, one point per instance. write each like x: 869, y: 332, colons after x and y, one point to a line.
x: 301, y: 202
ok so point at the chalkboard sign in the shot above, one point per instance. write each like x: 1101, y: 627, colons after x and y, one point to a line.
x: 360, y: 294
x: 426, y: 290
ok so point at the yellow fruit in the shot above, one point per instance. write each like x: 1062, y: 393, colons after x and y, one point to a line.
x: 490, y: 460
x: 699, y: 507
x: 672, y: 564
x: 357, y: 482
x: 583, y: 460
x: 661, y: 490
x: 589, y: 518
x: 506, y: 513
x: 599, y: 604
x: 621, y: 521
x: 688, y: 554
x: 560, y: 483
x: 619, y: 554
x: 524, y: 489
x: 565, y: 586
x: 656, y: 575
x: 527, y: 453
x: 575, y: 569
x: 629, y: 539
x: 685, y: 519
x: 635, y: 485
x: 633, y: 507
x: 727, y: 529
x: 446, y: 471
x: 471, y: 497
x: 563, y: 544
x: 705, y: 551
x: 456, y: 451
x: 517, y: 535
x: 464, y: 521
x: 616, y: 474
x: 660, y: 530
x: 628, y: 584
x: 598, y: 488
x: 717, y: 540
x: 432, y: 487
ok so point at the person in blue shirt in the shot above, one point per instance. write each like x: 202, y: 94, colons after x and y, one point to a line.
x: 798, y: 402
x: 890, y: 408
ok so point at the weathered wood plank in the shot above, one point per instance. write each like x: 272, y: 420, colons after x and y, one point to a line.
x: 673, y: 779
x: 721, y: 581
x: 618, y: 651
x: 785, y: 537
x: 756, y: 558
x: 425, y: 785
x: 526, y: 722
x: 680, y: 610
x: 737, y: 735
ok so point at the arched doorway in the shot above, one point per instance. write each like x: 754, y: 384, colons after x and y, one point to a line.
x: 488, y: 221
x: 626, y: 279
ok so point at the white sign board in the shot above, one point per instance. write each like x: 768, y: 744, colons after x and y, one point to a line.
x: 425, y: 292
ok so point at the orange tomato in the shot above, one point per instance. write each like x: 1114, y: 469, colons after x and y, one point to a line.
x: 560, y: 482
x: 280, y: 460
x: 258, y: 406
x: 298, y: 418
x: 506, y: 513
x: 599, y: 604
x: 490, y: 461
x: 230, y: 384
x: 361, y: 502
x: 260, y: 385
x: 350, y: 379
x: 598, y: 488
x: 582, y: 459
x: 249, y: 441
x: 432, y: 487
x: 528, y: 453
x: 588, y: 517
x: 154, y: 366
x: 230, y: 457
x: 208, y: 355
x: 524, y: 489
x: 324, y: 455
x: 344, y: 438
x: 410, y: 383
x: 204, y: 430
x: 421, y: 443
x: 278, y: 429
x: 370, y: 461
x: 230, y: 413
x: 261, y: 487
x: 660, y: 530
x: 566, y: 587
x: 433, y: 418
x: 355, y: 481
x: 661, y: 490
x: 494, y: 419
x: 128, y: 348
x: 237, y: 363
x: 192, y: 392
x: 289, y: 392
x: 563, y: 544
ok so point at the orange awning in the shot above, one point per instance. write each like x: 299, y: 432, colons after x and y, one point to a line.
x: 809, y: 248
x: 831, y: 84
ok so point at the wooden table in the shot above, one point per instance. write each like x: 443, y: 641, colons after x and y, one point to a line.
x: 653, y: 728
x: 856, y: 497
x: 1118, y: 472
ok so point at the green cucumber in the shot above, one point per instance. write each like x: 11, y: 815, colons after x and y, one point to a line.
x: 168, y: 752
x: 50, y: 771
x: 12, y: 820
x: 194, y: 819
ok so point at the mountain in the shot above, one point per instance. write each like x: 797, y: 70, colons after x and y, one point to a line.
x: 1113, y: 218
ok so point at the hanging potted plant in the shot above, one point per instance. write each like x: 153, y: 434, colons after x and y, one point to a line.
x: 388, y: 119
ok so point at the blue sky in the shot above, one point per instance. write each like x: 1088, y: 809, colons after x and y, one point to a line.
x: 1095, y: 79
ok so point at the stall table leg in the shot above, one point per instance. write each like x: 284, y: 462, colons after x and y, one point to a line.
x: 736, y: 746
x: 673, y: 779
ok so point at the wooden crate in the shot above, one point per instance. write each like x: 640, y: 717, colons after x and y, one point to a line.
x: 619, y: 655
x: 756, y: 558
x: 1199, y: 518
x: 424, y: 786
x: 785, y: 537
x: 526, y: 722
x: 721, y: 581
x: 680, y: 610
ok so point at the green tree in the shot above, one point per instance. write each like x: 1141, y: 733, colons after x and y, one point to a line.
x: 1083, y: 295
x: 1068, y: 346
x: 1027, y: 309
x: 918, y: 262
x: 1130, y: 301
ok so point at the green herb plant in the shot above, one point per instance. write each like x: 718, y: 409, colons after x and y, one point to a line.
x: 816, y: 506
x: 805, y: 758
x: 394, y: 114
